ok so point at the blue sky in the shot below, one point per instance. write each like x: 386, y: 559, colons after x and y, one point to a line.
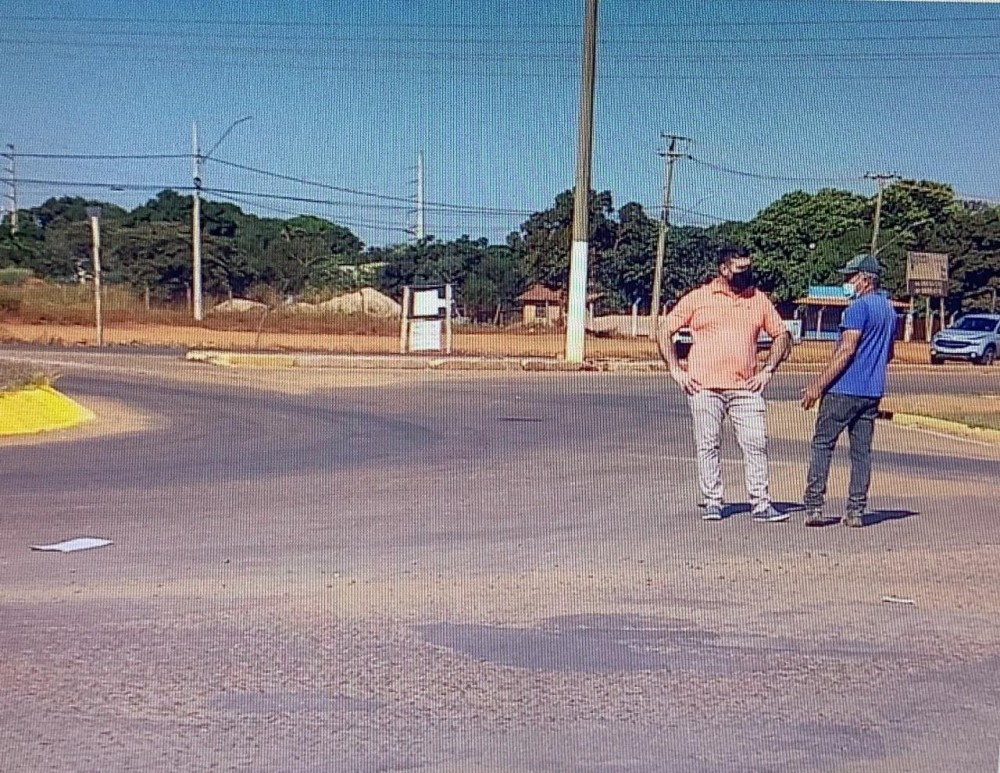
x: 347, y: 93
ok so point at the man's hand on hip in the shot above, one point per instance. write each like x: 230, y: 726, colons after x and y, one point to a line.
x: 757, y: 382
x: 685, y: 381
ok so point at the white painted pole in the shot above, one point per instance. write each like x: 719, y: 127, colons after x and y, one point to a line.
x: 95, y: 235
x: 577, y: 300
x: 403, y: 321
x: 447, y: 319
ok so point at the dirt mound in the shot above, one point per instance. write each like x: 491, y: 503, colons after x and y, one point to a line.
x: 238, y: 305
x: 367, y: 300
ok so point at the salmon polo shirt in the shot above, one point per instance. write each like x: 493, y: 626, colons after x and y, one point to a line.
x: 724, y: 331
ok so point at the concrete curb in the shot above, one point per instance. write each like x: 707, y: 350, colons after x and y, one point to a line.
x: 941, y: 425
x: 417, y: 362
x: 39, y: 409
x: 466, y: 362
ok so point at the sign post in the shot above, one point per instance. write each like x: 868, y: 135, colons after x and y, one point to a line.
x: 426, y: 315
x: 927, y: 275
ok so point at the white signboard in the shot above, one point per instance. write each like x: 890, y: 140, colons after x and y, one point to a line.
x: 425, y: 335
x: 428, y: 303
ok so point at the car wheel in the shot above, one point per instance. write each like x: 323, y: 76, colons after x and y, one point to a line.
x: 989, y: 356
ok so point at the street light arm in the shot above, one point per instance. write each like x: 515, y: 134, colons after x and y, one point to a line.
x: 225, y: 134
x: 898, y: 236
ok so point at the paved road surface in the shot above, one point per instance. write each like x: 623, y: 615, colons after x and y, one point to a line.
x: 482, y: 574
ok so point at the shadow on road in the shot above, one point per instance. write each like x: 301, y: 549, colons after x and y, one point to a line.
x: 876, y: 517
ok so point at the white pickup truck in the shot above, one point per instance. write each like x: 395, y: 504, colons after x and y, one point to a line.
x: 682, y: 338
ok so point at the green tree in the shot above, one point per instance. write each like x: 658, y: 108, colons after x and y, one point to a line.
x: 784, y: 235
x: 908, y: 202
x: 545, y: 238
x: 972, y: 241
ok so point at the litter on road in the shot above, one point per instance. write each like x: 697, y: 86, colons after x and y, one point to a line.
x: 897, y: 600
x: 71, y: 545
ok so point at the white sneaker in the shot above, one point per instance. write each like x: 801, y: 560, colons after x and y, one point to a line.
x: 769, y: 515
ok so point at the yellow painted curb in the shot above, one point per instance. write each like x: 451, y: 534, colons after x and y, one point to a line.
x: 39, y: 409
x: 943, y: 425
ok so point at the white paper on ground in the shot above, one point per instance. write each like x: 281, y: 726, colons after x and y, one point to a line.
x: 80, y: 543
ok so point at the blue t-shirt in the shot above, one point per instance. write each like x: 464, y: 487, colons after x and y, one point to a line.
x: 864, y: 376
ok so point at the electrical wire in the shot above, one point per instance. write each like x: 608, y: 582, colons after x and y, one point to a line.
x: 774, y: 178
x: 369, y: 194
x: 245, y: 23
x: 291, y: 213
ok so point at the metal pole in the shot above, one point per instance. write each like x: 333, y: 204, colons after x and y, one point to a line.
x: 577, y: 302
x: 12, y: 183
x: 196, y: 227
x: 420, y: 197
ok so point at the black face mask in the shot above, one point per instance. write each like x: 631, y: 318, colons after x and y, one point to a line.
x: 741, y: 280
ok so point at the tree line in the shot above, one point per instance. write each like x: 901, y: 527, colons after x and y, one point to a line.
x: 799, y: 240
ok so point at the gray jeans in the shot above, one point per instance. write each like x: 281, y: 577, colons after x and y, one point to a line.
x: 746, y: 412
x: 836, y: 413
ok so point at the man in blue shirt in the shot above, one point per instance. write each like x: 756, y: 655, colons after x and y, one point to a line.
x: 850, y: 389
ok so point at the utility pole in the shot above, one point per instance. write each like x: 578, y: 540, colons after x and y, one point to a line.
x: 198, y: 159
x: 11, y: 181
x: 420, y: 197
x: 577, y: 303
x: 94, y: 215
x: 196, y: 226
x: 880, y: 181
x: 670, y: 156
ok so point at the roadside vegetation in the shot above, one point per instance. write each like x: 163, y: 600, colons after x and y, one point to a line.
x: 981, y: 411
x: 799, y: 240
x: 16, y: 375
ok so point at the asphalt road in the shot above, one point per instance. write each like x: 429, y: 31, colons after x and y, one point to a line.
x: 472, y: 574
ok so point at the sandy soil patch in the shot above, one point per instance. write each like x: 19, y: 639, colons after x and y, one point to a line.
x: 514, y: 343
x: 113, y: 418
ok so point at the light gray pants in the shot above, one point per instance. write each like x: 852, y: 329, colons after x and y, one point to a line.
x: 746, y: 412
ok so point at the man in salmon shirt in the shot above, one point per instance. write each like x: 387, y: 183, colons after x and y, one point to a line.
x: 725, y: 317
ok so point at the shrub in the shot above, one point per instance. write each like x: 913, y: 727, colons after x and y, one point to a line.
x: 12, y: 275
x: 15, y: 374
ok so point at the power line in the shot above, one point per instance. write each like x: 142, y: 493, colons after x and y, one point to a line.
x: 139, y: 187
x: 543, y: 54
x: 291, y: 213
x: 370, y: 194
x: 444, y: 207
x: 244, y: 23
x: 774, y: 178
x: 106, y: 156
x: 196, y: 37
x: 522, y: 75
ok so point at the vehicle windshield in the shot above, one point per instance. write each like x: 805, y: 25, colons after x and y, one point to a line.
x: 976, y: 324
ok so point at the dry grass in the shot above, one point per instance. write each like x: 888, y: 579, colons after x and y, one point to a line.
x: 52, y: 313
x: 971, y: 410
x: 15, y: 374
x: 74, y: 305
